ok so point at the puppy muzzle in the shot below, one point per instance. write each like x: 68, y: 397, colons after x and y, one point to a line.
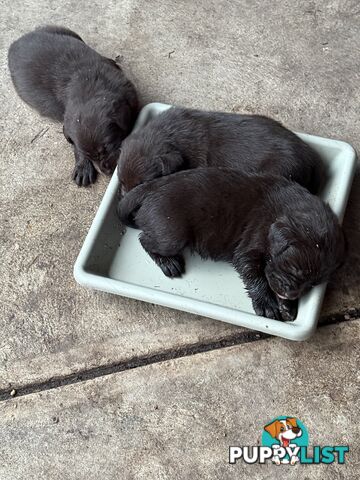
x: 289, y: 296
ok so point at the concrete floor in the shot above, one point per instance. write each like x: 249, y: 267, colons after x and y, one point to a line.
x: 176, y: 419
x: 298, y: 62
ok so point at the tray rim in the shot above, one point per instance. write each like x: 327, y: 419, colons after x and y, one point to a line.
x: 299, y: 330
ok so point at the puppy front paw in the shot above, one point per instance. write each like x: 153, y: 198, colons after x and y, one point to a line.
x: 84, y: 174
x: 267, y: 307
x: 288, y: 309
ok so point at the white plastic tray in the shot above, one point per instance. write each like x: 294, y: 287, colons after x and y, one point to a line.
x: 116, y: 263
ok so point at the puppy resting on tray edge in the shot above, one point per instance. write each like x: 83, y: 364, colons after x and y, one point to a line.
x: 281, y: 239
x: 182, y: 139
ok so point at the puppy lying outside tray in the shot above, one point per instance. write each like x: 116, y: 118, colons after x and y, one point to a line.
x: 211, y: 289
x: 55, y: 72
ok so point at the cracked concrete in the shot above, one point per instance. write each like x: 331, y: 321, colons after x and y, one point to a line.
x: 176, y: 419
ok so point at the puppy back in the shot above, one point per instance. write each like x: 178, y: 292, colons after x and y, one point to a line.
x: 47, y: 50
x: 57, y: 30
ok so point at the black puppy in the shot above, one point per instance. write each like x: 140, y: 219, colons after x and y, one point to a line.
x: 281, y: 239
x: 56, y: 73
x: 180, y: 139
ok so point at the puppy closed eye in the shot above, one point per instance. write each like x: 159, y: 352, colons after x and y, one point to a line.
x: 101, y: 150
x: 69, y: 140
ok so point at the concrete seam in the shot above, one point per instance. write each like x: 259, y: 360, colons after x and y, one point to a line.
x: 242, y: 337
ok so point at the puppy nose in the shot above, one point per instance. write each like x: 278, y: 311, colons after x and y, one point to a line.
x: 296, y: 429
x: 291, y: 295
x: 106, y: 170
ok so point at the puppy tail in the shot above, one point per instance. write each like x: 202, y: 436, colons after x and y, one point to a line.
x: 129, y: 205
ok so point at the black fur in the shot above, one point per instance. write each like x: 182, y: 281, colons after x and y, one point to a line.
x: 281, y: 239
x: 56, y: 73
x: 180, y: 139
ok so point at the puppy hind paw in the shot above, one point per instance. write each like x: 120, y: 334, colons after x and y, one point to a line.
x: 267, y: 309
x: 288, y: 310
x: 84, y: 174
x: 172, y: 267
x: 272, y: 312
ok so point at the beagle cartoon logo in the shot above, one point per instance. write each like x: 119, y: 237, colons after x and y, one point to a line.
x: 285, y: 440
x: 287, y: 434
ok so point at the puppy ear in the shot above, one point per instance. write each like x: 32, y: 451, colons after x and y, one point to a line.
x: 122, y: 117
x: 171, y: 162
x: 115, y: 128
x: 278, y: 237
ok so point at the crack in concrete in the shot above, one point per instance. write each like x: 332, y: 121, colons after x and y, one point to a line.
x: 239, y: 338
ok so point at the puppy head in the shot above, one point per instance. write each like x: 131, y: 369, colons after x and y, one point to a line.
x: 142, y: 160
x: 96, y: 131
x: 304, y: 251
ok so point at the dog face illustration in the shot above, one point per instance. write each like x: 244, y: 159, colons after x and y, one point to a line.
x: 284, y: 430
